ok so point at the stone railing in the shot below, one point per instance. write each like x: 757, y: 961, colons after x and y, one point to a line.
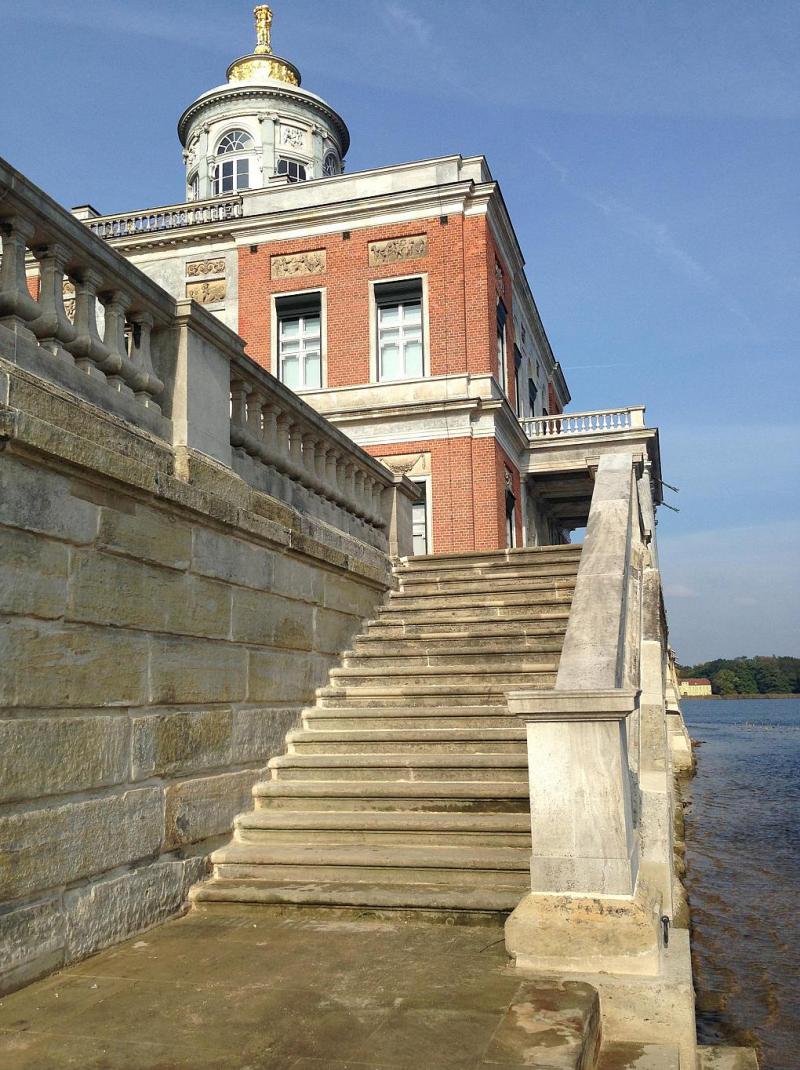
x: 282, y: 442
x: 90, y: 321
x: 587, y: 802
x: 597, y: 422
x: 171, y: 217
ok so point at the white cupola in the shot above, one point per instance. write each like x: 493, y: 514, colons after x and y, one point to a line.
x: 260, y: 127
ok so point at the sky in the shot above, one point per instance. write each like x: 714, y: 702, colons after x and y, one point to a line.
x: 649, y: 155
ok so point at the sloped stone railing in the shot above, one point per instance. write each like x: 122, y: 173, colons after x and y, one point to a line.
x: 596, y: 422
x: 289, y: 441
x: 170, y: 217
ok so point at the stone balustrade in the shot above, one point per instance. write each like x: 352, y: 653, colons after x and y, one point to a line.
x: 170, y: 217
x: 596, y: 422
x: 116, y: 312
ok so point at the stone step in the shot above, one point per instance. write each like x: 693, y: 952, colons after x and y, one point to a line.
x: 635, y: 1056
x: 461, y: 658
x: 490, y: 630
x: 368, y: 645
x: 460, y: 570
x: 396, y: 822
x: 410, y: 719
x: 447, y: 678
x: 499, y: 741
x: 362, y: 895
x: 472, y: 796
x: 721, y: 1057
x: 368, y: 838
x: 527, y: 595
x: 489, y: 557
x: 534, y: 578
x: 401, y: 768
x: 535, y: 609
x: 466, y: 694
x: 401, y: 864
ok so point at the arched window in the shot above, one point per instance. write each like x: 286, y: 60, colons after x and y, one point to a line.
x: 296, y: 171
x: 233, y: 173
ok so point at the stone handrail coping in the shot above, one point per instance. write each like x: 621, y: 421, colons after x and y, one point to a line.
x: 52, y: 223
x: 590, y: 422
x: 166, y: 217
x: 538, y: 706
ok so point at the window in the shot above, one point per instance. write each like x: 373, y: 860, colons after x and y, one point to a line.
x: 235, y: 141
x: 194, y: 187
x: 532, y: 394
x: 419, y: 520
x: 299, y: 319
x: 330, y: 165
x: 511, y: 518
x: 399, y: 316
x: 233, y: 174
x: 295, y: 170
x: 517, y: 390
x: 501, y: 344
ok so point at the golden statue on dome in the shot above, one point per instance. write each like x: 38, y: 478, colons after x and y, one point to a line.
x: 263, y: 17
x: 262, y: 64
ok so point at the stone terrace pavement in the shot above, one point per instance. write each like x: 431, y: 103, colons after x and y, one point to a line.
x: 251, y: 990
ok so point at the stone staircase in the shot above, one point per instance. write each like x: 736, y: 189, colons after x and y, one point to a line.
x: 406, y: 787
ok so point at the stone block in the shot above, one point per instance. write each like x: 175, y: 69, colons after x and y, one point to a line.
x: 50, y: 847
x: 106, y: 911
x: 279, y: 676
x: 334, y: 631
x: 32, y: 939
x: 177, y: 742
x: 202, y: 608
x: 199, y: 809
x: 33, y: 579
x: 298, y: 579
x: 348, y: 596
x: 147, y: 534
x: 272, y: 620
x: 196, y: 671
x: 33, y: 498
x: 224, y: 557
x: 105, y: 589
x: 42, y: 756
x: 259, y: 734
x: 66, y: 665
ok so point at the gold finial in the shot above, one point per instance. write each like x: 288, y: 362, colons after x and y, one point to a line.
x: 263, y: 17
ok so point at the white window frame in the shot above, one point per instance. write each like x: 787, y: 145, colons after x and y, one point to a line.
x: 502, y: 351
x: 275, y: 364
x: 289, y: 158
x: 374, y: 353
x: 428, y: 509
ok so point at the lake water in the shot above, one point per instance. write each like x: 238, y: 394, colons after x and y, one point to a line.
x: 743, y: 851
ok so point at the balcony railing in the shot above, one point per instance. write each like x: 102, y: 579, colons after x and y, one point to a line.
x: 172, y: 217
x: 597, y: 422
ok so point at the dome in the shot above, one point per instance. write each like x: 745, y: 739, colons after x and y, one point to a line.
x: 260, y: 128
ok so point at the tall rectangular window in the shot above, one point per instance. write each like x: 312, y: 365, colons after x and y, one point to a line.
x: 231, y: 175
x: 517, y: 381
x: 532, y: 393
x: 419, y: 520
x: 400, y: 330
x: 502, y: 315
x: 299, y: 319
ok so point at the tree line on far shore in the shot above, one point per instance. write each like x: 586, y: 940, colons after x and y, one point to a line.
x: 748, y: 676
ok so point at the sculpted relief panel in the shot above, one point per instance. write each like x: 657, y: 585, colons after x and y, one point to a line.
x: 208, y: 292
x: 389, y: 252
x: 296, y: 265
x: 201, y: 268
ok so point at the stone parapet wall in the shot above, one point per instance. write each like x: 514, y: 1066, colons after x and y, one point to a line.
x: 162, y: 624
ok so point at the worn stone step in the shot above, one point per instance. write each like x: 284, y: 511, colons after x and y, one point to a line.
x: 463, y: 694
x: 455, y: 659
x: 491, y: 630
x: 431, y: 796
x: 635, y: 1056
x: 490, y: 557
x: 542, y: 592
x: 400, y: 646
x: 399, y: 874
x: 393, y: 857
x: 487, y: 741
x: 459, y: 570
x: 418, y: 584
x: 536, y: 610
x: 415, y: 768
x: 409, y: 718
x: 368, y: 838
x: 374, y: 895
x: 721, y: 1057
x: 400, y: 821
x: 446, y: 678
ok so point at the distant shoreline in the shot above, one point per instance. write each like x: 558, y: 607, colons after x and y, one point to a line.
x: 727, y: 698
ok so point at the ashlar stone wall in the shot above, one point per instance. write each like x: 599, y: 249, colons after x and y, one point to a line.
x: 161, y: 627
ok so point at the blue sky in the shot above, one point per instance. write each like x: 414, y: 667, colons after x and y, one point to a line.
x: 648, y: 151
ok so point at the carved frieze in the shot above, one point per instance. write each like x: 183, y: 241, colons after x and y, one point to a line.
x: 208, y: 292
x: 395, y: 249
x: 293, y: 136
x: 296, y: 265
x: 202, y: 268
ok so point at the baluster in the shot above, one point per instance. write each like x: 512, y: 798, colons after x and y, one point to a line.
x: 295, y: 450
x: 321, y: 455
x: 269, y: 433
x: 358, y: 493
x: 51, y: 326
x: 283, y: 458
x: 87, y: 347
x: 143, y: 379
x: 331, y: 476
x: 115, y: 303
x: 309, y: 460
x: 253, y: 421
x: 238, y: 412
x: 17, y: 307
